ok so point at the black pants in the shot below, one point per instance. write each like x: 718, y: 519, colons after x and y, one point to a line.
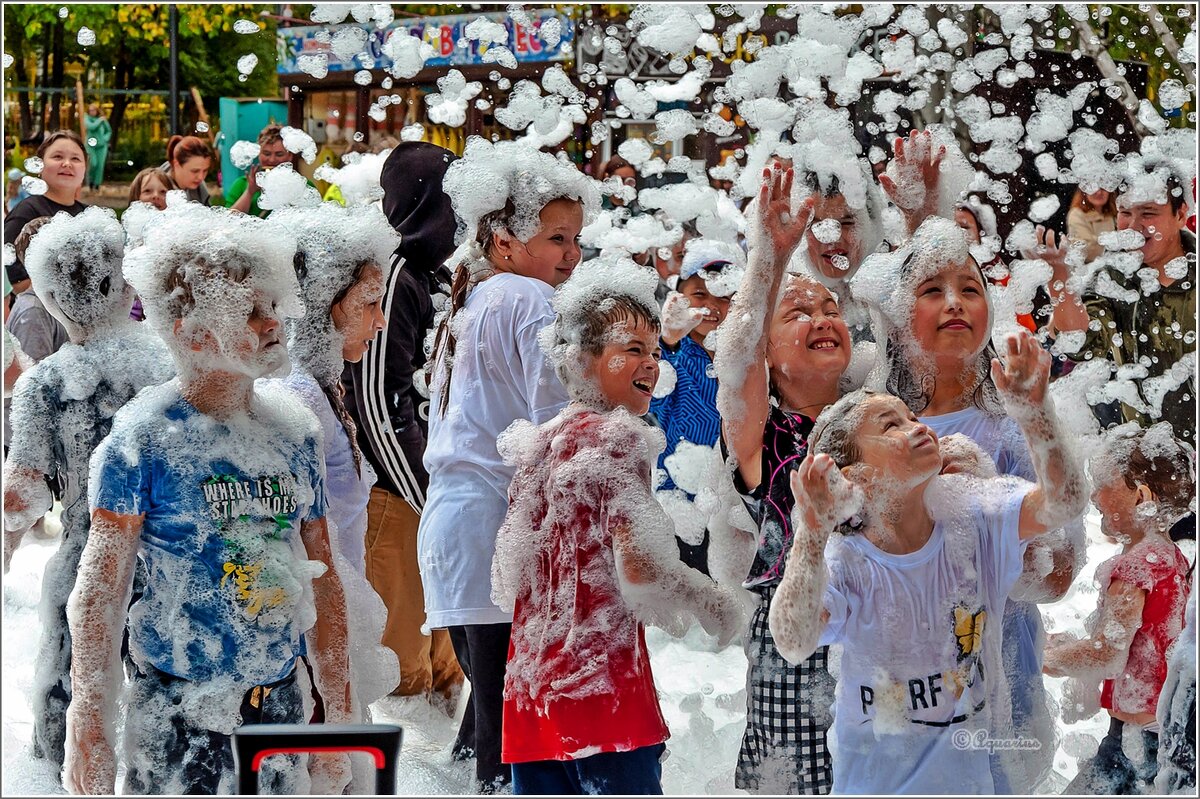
x: 170, y: 754
x: 695, y: 555
x: 1110, y: 771
x: 482, y: 651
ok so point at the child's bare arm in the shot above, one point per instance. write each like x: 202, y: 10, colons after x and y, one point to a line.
x: 96, y: 617
x: 1104, y: 653
x: 331, y: 632
x: 797, y: 614
x: 741, y: 361
x: 330, y: 772
x: 653, y: 581
x: 1060, y: 494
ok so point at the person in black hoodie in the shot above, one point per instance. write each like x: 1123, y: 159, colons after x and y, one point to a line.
x: 390, y: 414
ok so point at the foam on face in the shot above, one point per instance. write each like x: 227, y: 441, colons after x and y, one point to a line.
x: 358, y: 180
x: 202, y: 244
x: 75, y: 265
x: 589, y: 287
x: 335, y: 242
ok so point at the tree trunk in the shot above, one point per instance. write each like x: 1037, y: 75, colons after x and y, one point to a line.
x: 45, y: 83
x: 120, y: 101
x: 1168, y: 39
x: 1090, y: 43
x: 56, y: 75
x: 23, y: 106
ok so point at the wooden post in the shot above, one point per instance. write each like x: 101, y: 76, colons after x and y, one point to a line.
x: 201, y: 114
x: 80, y: 110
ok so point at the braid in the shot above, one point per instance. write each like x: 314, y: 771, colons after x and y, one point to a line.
x: 334, y: 395
x: 466, y: 276
x: 444, y: 343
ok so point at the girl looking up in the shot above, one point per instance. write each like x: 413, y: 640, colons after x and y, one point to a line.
x: 907, y: 569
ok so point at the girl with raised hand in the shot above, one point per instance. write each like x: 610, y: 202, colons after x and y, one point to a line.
x: 1144, y: 483
x: 783, y: 350
x: 908, y: 569
x: 933, y: 318
x: 520, y: 212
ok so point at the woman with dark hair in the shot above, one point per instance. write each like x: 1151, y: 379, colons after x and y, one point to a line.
x: 187, y: 164
x: 1092, y: 214
x: 64, y: 168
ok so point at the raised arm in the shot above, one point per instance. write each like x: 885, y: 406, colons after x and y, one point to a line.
x: 1060, y: 494
x: 96, y: 619
x: 912, y: 178
x: 797, y: 615
x: 1104, y: 653
x: 741, y: 360
x: 1069, y: 312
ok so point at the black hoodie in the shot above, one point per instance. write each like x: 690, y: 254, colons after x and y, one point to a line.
x: 390, y: 413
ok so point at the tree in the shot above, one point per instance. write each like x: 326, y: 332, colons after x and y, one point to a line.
x: 131, y: 51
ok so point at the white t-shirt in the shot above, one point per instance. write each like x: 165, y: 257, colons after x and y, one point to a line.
x: 998, y: 436
x: 500, y: 374
x: 1024, y: 635
x: 348, y: 492
x: 921, y: 635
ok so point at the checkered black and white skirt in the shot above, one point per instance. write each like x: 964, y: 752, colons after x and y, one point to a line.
x: 787, y: 715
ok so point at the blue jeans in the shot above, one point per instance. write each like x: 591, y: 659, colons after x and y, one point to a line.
x: 638, y: 773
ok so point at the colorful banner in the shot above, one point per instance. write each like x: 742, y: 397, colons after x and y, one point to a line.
x: 447, y: 36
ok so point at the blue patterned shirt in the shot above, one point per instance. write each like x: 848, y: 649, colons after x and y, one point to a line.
x: 690, y: 411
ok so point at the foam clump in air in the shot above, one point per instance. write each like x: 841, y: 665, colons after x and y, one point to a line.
x: 489, y: 176
x: 332, y: 244
x: 283, y: 186
x: 358, y: 180
x: 669, y: 28
x: 448, y: 106
x: 211, y: 267
x: 297, y: 141
x: 408, y: 53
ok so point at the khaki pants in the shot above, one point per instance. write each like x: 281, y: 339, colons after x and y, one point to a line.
x: 427, y: 663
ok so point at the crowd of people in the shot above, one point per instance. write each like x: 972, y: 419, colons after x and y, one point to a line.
x: 355, y: 449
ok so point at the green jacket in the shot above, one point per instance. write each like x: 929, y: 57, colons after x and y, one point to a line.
x: 1156, y: 331
x: 98, y: 129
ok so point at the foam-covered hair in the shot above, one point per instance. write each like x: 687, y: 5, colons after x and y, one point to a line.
x: 207, y: 267
x: 332, y: 242
x: 591, y: 306
x: 75, y: 265
x: 490, y: 176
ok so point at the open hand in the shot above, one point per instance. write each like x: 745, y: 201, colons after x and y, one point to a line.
x: 784, y: 230
x: 679, y: 318
x: 823, y: 496
x: 1025, y: 373
x: 1052, y: 249
x: 911, y: 180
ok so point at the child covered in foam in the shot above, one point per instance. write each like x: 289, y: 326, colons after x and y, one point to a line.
x: 1143, y: 485
x: 914, y: 585
x: 216, y: 485
x: 586, y: 555
x: 62, y: 408
x: 342, y: 263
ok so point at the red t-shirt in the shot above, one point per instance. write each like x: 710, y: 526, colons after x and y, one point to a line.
x: 578, y: 680
x: 1156, y: 566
